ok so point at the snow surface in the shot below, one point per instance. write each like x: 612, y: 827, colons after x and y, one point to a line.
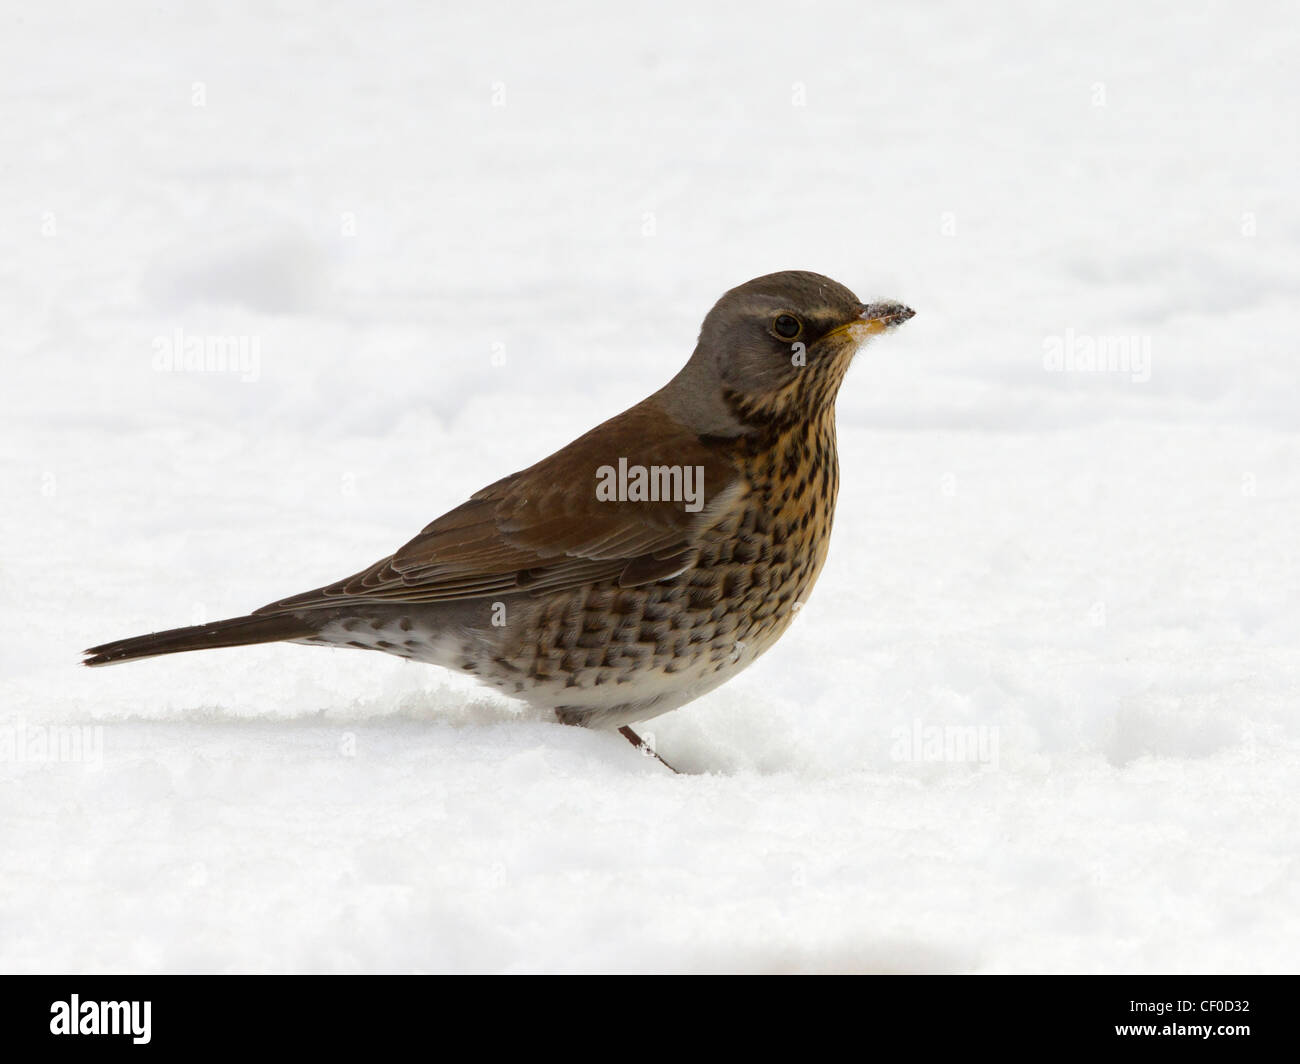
x: 460, y: 238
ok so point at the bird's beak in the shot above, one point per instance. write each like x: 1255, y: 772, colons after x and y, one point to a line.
x: 879, y: 317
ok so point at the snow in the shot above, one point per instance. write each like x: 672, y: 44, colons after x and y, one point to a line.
x: 1040, y: 712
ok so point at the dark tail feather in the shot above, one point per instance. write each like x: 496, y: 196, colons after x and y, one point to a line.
x: 235, y: 632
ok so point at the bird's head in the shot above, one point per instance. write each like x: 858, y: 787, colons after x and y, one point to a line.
x: 778, y: 346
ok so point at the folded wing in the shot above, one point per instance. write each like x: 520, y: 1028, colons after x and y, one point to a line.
x: 545, y: 529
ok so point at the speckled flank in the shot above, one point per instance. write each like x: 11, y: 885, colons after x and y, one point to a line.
x: 404, y: 637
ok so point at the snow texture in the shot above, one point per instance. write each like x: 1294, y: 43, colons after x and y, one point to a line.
x: 1040, y: 712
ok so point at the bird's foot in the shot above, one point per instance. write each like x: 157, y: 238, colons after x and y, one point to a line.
x: 644, y: 747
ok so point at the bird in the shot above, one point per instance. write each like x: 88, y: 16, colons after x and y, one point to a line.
x: 640, y: 566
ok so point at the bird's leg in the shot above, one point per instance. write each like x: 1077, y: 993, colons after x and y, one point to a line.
x: 641, y: 745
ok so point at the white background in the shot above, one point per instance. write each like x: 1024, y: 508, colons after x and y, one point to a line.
x: 461, y: 238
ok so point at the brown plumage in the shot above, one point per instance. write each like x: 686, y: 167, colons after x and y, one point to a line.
x: 612, y: 610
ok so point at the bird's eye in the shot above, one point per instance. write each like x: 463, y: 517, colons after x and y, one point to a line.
x: 787, y: 326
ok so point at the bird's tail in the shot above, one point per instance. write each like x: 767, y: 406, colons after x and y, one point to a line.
x: 235, y: 632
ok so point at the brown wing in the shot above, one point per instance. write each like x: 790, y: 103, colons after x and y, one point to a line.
x: 545, y: 529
